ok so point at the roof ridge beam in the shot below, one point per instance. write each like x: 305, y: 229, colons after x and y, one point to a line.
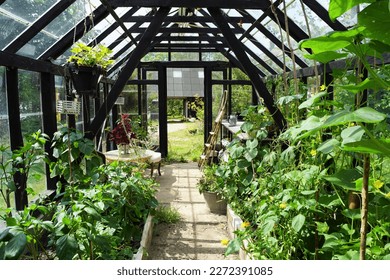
x: 228, y: 4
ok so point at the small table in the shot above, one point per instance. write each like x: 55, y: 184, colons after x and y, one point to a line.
x: 148, y: 156
x: 235, y: 129
x: 140, y: 156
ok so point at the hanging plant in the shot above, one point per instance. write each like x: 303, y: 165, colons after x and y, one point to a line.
x: 86, y: 65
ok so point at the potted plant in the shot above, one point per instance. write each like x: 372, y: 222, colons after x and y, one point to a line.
x: 122, y: 134
x: 208, y: 186
x: 86, y: 65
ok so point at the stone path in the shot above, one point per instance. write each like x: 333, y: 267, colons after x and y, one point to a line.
x: 199, y: 233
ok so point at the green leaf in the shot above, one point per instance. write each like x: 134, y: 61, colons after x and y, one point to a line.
x: 252, y: 144
x: 2, y: 250
x: 370, y: 146
x: 366, y: 84
x: 66, y: 220
x: 242, y: 163
x: 376, y: 20
x: 297, y: 222
x: 345, y: 178
x: 377, y: 48
x: 86, y: 147
x: 322, y: 227
x: 353, y: 214
x: 251, y: 154
x: 284, y: 100
x: 312, y: 100
x: 312, y: 123
x: 339, y: 7
x: 364, y: 115
x: 246, y: 127
x: 5, y: 235
x: 15, y: 247
x: 233, y: 246
x: 325, y: 57
x: 308, y: 192
x: 352, y: 134
x: 66, y: 247
x: 324, y: 44
x: 11, y: 221
x: 268, y: 226
x: 11, y: 186
x: 331, y: 241
x: 92, y: 212
x: 236, y: 151
x: 328, y: 146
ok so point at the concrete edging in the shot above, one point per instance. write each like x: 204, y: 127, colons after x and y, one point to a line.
x: 234, y: 223
x: 146, y: 240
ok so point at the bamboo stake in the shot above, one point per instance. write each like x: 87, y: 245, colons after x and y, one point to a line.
x: 364, y: 211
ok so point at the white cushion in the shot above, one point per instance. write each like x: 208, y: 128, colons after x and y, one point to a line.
x: 154, y: 156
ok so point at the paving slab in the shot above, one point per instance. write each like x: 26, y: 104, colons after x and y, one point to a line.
x: 199, y: 233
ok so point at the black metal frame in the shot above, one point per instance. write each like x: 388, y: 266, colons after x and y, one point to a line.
x: 228, y: 38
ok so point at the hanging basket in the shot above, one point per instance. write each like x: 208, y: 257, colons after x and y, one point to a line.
x: 85, y: 79
x: 69, y: 107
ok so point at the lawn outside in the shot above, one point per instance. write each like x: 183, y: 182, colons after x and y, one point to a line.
x: 185, y: 141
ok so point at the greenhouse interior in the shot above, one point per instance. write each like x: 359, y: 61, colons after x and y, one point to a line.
x: 283, y: 110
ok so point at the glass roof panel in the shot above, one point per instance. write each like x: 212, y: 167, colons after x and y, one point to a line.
x: 349, y: 18
x: 28, y: 10
x: 19, y: 14
x: 297, y: 15
x: 57, y: 28
x: 8, y: 34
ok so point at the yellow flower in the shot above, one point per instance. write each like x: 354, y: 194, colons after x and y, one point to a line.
x: 225, y: 242
x: 271, y: 198
x: 388, y: 195
x: 245, y: 224
x: 378, y: 184
x: 313, y: 152
x: 283, y: 205
x: 323, y: 87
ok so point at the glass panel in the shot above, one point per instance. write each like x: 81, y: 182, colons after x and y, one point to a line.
x: 28, y: 10
x: 60, y: 95
x: 296, y: 14
x: 184, y: 56
x: 349, y: 18
x: 19, y: 14
x: 241, y: 98
x: 58, y: 27
x: 31, y: 121
x: 130, y: 93
x: 153, y: 113
x: 4, y: 130
x: 4, y: 125
x: 30, y: 102
x: 213, y: 56
x: 8, y: 34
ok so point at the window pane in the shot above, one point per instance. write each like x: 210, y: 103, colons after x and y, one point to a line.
x: 4, y: 125
x: 19, y: 14
x: 31, y: 121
